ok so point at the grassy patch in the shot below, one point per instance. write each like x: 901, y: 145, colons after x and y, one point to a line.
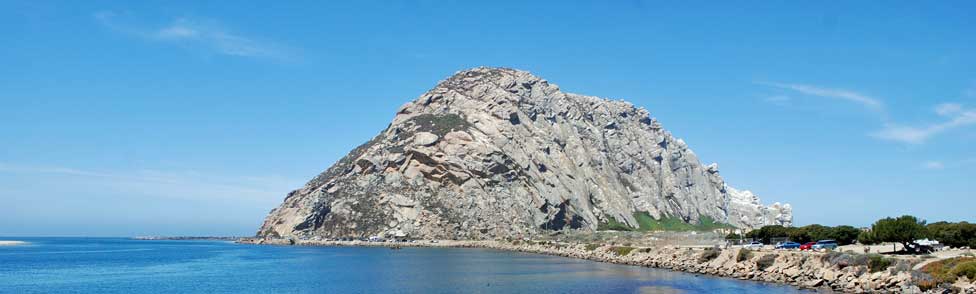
x: 647, y: 223
x: 967, y: 269
x: 621, y: 250
x: 591, y: 247
x: 948, y: 270
x: 613, y: 225
x: 877, y: 263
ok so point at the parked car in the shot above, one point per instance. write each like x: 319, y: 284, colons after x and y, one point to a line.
x: 825, y: 245
x: 788, y: 245
x: 807, y: 246
x: 754, y: 245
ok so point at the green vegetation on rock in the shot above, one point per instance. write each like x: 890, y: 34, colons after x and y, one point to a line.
x: 743, y: 255
x: 621, y: 250
x: 949, y: 270
x: 647, y: 223
x: 709, y: 254
x: 613, y: 225
x: 440, y: 124
x: 877, y: 263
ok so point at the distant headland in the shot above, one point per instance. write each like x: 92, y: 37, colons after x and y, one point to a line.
x: 188, y: 238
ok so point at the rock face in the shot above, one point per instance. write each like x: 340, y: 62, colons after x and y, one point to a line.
x: 494, y: 152
x: 745, y: 208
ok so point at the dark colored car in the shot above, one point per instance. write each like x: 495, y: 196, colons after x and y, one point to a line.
x: 807, y: 246
x: 788, y: 245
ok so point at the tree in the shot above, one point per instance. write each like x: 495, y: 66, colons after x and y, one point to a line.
x: 766, y: 233
x: 799, y: 235
x: 953, y: 234
x: 810, y: 233
x: 867, y: 238
x: 905, y: 230
x: 844, y: 234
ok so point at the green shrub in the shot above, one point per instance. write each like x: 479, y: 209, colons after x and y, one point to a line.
x: 953, y: 234
x: 945, y: 270
x: 844, y: 259
x: 709, y: 255
x: 743, y: 255
x: 967, y: 269
x: 613, y: 225
x: 647, y: 223
x: 877, y: 263
x: 439, y: 124
x: 591, y: 247
x: 766, y: 261
x: 861, y: 259
x: 844, y: 235
x: 866, y: 238
x: 621, y: 250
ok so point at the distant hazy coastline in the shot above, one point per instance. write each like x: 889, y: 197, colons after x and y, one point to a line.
x: 188, y: 238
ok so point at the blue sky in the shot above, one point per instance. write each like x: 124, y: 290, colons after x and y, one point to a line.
x: 163, y: 118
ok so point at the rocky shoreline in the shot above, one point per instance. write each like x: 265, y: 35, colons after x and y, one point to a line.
x: 842, y: 272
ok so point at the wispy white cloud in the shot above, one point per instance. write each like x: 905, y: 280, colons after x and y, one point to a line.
x: 199, y: 33
x: 954, y: 115
x: 946, y: 109
x: 867, y: 101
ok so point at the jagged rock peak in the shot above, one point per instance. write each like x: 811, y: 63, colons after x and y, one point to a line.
x: 492, y: 152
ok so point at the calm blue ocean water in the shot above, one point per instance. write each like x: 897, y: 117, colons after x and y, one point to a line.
x: 114, y: 265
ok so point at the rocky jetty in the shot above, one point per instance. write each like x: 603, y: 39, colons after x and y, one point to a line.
x: 495, y: 152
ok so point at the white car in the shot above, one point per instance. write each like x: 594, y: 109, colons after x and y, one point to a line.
x: 753, y: 245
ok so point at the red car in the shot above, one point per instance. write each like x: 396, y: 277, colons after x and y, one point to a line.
x: 807, y: 246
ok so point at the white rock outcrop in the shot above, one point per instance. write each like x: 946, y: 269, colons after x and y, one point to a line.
x: 745, y: 208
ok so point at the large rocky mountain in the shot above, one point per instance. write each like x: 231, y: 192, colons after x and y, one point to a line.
x: 495, y: 152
